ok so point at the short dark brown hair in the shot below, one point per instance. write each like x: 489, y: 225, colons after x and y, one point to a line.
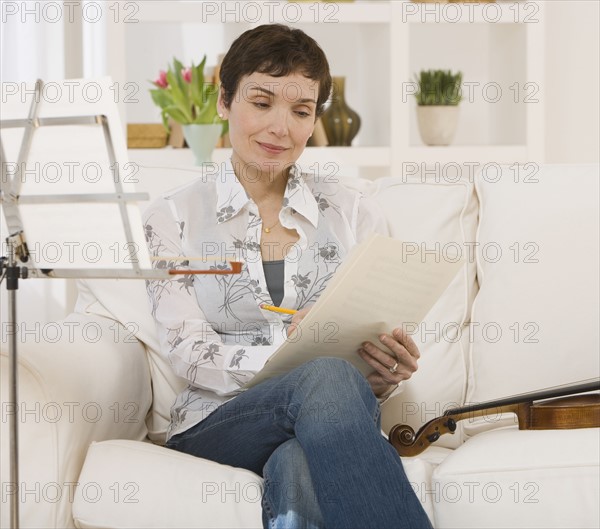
x: 276, y: 50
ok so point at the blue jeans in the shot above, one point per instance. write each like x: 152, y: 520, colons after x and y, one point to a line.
x: 314, y: 435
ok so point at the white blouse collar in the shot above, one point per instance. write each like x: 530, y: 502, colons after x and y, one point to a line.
x: 232, y: 197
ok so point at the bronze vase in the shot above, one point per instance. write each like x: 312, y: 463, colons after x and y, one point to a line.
x: 341, y: 123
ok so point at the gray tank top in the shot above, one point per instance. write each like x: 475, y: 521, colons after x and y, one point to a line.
x: 274, y: 275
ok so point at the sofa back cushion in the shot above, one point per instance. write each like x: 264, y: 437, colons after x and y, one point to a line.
x: 439, y: 218
x: 535, y: 319
x: 126, y: 301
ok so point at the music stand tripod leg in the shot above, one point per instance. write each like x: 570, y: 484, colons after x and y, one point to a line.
x: 13, y: 273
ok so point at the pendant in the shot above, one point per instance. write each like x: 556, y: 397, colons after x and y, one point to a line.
x: 267, y: 230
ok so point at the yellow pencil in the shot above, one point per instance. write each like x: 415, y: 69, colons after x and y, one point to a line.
x: 273, y: 308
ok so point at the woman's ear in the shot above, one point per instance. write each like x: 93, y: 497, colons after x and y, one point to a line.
x: 221, y: 109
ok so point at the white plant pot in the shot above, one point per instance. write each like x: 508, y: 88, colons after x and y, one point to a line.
x: 202, y: 140
x: 437, y: 124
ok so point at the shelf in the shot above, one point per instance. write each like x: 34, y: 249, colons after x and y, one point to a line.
x: 324, y: 157
x: 470, y: 13
x: 256, y: 13
x: 328, y: 158
x: 378, y: 12
x: 461, y: 154
x: 377, y: 46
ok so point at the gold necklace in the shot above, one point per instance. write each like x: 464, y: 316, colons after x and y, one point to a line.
x: 268, y: 230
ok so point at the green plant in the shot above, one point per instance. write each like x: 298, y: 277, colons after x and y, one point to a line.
x: 438, y: 87
x: 183, y: 95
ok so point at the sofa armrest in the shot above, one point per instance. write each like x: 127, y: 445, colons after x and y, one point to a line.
x: 81, y: 380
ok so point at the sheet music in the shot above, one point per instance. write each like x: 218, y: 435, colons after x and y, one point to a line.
x: 68, y: 160
x: 380, y: 286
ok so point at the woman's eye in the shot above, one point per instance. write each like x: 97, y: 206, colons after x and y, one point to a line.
x: 260, y: 104
x: 303, y: 114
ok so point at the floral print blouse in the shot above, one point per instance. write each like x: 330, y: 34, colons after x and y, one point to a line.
x: 211, y: 327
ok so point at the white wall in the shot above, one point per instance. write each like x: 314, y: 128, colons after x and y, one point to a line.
x: 572, y: 81
x: 31, y: 45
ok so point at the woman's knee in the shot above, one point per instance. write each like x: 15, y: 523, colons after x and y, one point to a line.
x: 287, y: 470
x: 332, y: 368
x: 330, y: 389
x: 336, y: 374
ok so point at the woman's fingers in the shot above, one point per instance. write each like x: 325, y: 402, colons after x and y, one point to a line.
x: 397, y: 364
x: 296, y: 319
x: 368, y: 353
x: 406, y: 340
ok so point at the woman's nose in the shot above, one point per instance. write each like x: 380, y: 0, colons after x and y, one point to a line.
x: 278, y: 124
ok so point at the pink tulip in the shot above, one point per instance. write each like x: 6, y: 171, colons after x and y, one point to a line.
x: 186, y: 73
x: 162, y: 79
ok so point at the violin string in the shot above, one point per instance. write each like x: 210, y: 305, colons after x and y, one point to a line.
x: 583, y: 386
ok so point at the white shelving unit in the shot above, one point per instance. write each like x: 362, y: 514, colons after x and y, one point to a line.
x: 378, y: 46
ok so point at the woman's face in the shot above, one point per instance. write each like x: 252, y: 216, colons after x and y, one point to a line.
x: 270, y: 121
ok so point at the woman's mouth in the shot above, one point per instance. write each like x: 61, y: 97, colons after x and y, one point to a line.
x: 272, y: 149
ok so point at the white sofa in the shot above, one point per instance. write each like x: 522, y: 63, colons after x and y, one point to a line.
x: 522, y: 315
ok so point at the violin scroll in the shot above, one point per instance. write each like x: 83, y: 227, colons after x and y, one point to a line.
x: 403, y: 434
x: 408, y: 443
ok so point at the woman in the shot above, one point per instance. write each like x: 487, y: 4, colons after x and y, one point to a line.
x: 314, y: 433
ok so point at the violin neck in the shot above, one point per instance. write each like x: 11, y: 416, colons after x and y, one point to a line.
x: 530, y: 397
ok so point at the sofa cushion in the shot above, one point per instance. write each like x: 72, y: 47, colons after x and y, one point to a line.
x: 125, y: 301
x: 136, y: 484
x: 520, y: 478
x: 439, y: 218
x: 419, y: 471
x: 535, y: 319
x: 79, y: 381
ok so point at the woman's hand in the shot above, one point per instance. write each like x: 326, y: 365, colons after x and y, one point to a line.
x: 389, y: 370
x: 296, y: 319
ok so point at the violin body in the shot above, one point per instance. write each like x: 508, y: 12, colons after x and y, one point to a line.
x: 582, y: 411
x: 579, y: 411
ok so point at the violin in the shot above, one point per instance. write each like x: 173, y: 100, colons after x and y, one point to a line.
x: 566, y: 412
